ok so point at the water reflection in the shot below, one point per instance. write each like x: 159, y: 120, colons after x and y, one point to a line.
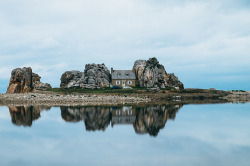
x: 145, y: 119
x: 24, y: 115
x: 153, y: 118
x: 95, y: 118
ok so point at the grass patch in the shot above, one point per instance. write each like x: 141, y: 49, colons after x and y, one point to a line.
x: 238, y: 91
x: 96, y: 91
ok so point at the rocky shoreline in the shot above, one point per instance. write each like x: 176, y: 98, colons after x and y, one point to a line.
x: 60, y: 99
x: 55, y: 99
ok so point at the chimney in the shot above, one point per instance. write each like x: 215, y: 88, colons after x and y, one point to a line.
x: 112, y: 70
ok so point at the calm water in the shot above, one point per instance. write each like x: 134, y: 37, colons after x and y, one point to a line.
x: 209, y: 134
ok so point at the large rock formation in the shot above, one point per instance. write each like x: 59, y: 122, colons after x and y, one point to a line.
x: 20, y: 81
x: 23, y: 81
x: 152, y: 74
x: 94, y: 76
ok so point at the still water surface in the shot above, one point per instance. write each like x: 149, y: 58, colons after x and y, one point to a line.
x: 209, y: 134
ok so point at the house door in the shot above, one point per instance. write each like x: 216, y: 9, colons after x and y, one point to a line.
x: 123, y: 83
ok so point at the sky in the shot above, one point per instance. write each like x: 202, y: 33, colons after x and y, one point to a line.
x: 206, y: 43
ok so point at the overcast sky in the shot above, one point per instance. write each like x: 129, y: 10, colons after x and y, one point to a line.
x: 205, y: 43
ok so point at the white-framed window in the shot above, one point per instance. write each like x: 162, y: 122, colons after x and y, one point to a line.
x: 118, y: 112
x: 130, y: 112
x: 117, y: 82
x: 129, y: 82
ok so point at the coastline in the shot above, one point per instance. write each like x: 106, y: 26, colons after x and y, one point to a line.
x: 83, y: 99
x: 55, y: 99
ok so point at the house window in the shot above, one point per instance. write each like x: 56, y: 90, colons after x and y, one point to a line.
x: 129, y: 82
x: 130, y: 112
x: 118, y: 74
x: 117, y: 82
x: 127, y: 75
x: 118, y: 112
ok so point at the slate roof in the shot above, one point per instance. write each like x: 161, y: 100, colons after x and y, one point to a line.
x: 123, y: 74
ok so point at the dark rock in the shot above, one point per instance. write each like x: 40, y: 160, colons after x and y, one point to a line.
x: 69, y: 76
x: 152, y: 74
x: 156, y: 89
x: 95, y: 76
x: 23, y: 81
x: 20, y: 80
x: 37, y: 84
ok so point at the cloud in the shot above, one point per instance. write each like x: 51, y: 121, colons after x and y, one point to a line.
x: 187, y: 37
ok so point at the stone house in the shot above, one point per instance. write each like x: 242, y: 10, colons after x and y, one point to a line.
x: 123, y: 78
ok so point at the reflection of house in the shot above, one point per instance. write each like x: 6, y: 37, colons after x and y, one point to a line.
x: 123, y: 115
x: 123, y: 78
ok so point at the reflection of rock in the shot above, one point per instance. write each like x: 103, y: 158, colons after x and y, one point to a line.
x: 152, y: 74
x: 25, y: 115
x: 95, y: 118
x: 23, y: 81
x: 149, y: 119
x: 153, y: 118
x: 94, y: 76
x: 71, y: 114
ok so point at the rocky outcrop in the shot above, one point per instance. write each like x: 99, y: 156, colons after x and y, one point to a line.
x: 152, y: 74
x: 70, y: 78
x: 174, y: 82
x: 95, y: 76
x: 139, y: 67
x: 20, y: 80
x: 23, y: 81
x: 37, y: 84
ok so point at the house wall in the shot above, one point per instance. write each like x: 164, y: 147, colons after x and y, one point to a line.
x: 123, y: 111
x: 126, y: 82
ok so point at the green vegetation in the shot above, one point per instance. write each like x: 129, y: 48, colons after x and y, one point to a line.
x: 104, y: 90
x: 134, y: 90
x: 238, y: 91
